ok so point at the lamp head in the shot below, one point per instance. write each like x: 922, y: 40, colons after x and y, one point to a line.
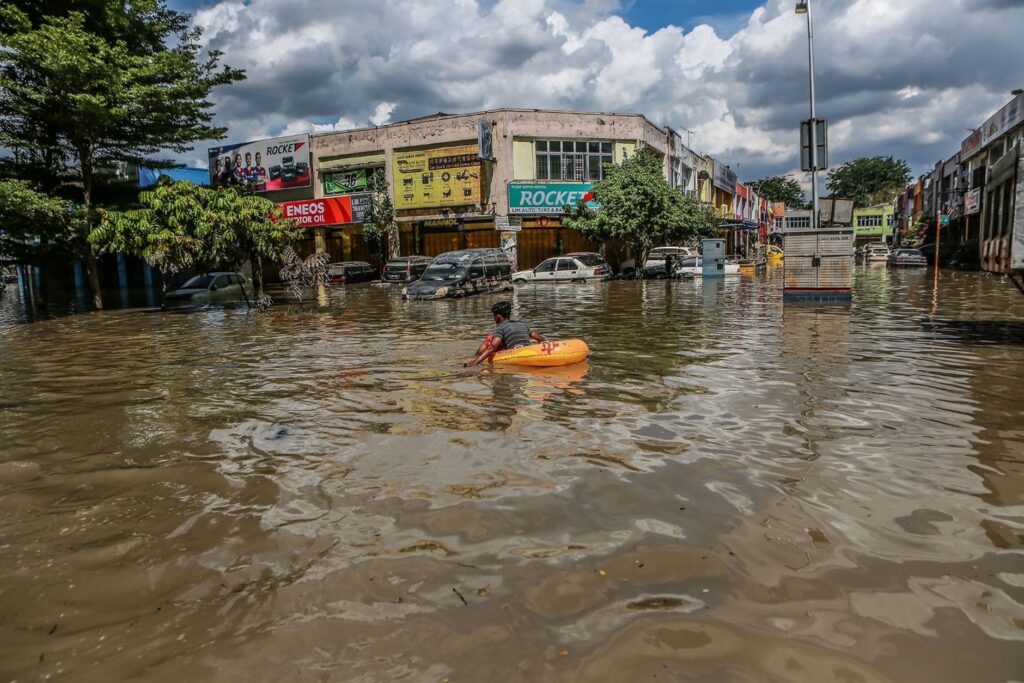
x: 801, y: 7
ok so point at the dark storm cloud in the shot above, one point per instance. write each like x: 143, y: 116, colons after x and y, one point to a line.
x: 897, y: 78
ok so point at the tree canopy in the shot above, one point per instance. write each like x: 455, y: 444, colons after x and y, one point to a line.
x: 379, y: 228
x: 35, y: 225
x: 781, y: 189
x: 869, y: 180
x: 85, y: 84
x: 639, y: 207
x: 183, y: 226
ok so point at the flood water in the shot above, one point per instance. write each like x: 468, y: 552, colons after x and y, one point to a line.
x: 730, y: 489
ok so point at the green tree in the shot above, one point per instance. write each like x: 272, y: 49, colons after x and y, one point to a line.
x: 639, y: 207
x: 781, y: 189
x: 869, y: 180
x: 82, y: 90
x: 36, y: 226
x: 181, y: 226
x: 380, y: 229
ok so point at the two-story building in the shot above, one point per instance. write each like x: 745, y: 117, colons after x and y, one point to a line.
x: 451, y: 194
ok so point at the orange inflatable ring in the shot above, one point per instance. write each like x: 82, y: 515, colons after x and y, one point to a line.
x: 544, y: 355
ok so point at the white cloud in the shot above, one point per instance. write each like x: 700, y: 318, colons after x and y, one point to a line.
x: 382, y: 113
x: 900, y: 78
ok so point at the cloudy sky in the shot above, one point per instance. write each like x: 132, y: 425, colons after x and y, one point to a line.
x: 901, y: 77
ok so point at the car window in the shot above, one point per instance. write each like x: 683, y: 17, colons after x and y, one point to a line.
x: 198, y: 282
x: 221, y: 281
x: 590, y: 260
x: 476, y: 270
x: 548, y: 266
x: 566, y: 264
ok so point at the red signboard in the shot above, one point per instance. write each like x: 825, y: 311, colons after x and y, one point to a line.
x: 316, y: 212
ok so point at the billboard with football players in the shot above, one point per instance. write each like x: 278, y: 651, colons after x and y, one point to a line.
x: 262, y: 166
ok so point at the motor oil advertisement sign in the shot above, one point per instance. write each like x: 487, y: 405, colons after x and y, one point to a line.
x: 547, y: 198
x: 437, y: 177
x: 316, y: 212
x: 263, y: 166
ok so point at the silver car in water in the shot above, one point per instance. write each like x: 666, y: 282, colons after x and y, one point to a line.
x: 224, y: 288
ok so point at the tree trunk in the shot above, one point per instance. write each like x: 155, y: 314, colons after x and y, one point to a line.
x: 257, y: 275
x: 91, y: 266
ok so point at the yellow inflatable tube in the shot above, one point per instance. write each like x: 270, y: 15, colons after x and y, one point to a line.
x: 544, y: 355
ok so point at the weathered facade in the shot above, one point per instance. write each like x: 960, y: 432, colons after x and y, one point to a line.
x: 972, y: 204
x: 447, y: 197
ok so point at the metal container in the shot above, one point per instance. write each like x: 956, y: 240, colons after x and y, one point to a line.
x: 713, y: 258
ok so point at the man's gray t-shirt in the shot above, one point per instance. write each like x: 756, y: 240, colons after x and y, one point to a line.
x: 512, y: 333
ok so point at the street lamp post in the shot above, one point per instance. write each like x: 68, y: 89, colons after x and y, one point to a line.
x: 804, y: 7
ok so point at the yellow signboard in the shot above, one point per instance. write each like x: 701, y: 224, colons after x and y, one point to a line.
x: 437, y: 177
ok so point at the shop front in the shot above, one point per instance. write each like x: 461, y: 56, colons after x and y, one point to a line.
x: 328, y: 224
x: 438, y: 194
x: 540, y: 206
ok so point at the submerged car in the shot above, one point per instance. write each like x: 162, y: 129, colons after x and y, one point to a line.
x: 406, y: 268
x: 578, y: 267
x: 463, y: 273
x: 348, y: 272
x: 654, y: 266
x: 211, y: 288
x: 877, y: 252
x: 694, y: 267
x: 907, y: 257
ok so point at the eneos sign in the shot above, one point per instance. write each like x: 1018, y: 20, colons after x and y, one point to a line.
x: 547, y: 198
x: 317, y: 212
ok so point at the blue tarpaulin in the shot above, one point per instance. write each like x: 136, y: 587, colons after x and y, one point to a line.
x: 149, y: 176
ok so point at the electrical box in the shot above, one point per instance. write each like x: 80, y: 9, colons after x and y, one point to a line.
x: 713, y: 258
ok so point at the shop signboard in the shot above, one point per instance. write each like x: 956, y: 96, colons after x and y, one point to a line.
x: 725, y: 179
x: 508, y: 223
x: 971, y: 146
x: 360, y: 205
x: 262, y: 166
x: 1010, y: 116
x: 437, y: 178
x: 317, y: 212
x: 972, y: 202
x: 346, y: 181
x: 548, y: 198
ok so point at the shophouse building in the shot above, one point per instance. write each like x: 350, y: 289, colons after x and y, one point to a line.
x: 466, y: 180
x: 874, y: 224
x: 973, y: 202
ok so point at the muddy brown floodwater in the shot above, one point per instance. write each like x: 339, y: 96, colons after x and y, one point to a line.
x: 730, y: 490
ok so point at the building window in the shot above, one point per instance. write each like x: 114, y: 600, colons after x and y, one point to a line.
x: 869, y: 221
x: 891, y: 220
x: 572, y: 159
x: 798, y: 222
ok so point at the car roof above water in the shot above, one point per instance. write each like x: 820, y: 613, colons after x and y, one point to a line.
x: 464, y: 255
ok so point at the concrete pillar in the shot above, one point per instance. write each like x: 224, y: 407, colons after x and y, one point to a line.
x: 148, y: 278
x: 79, y: 284
x: 122, y: 278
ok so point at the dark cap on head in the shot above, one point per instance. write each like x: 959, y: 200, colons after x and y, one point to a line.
x: 502, y: 308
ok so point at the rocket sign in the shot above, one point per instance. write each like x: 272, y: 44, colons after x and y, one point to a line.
x: 315, y: 212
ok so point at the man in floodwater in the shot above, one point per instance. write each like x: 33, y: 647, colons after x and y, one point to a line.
x: 509, y: 334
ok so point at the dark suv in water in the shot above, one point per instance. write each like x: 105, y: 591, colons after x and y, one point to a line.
x: 463, y: 273
x: 347, y: 272
x: 405, y: 268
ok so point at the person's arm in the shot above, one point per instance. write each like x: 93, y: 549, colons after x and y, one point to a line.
x: 487, y: 353
x: 536, y: 337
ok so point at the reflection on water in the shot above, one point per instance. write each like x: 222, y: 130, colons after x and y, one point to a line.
x: 730, y: 489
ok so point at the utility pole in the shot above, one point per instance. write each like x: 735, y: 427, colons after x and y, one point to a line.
x: 806, y: 4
